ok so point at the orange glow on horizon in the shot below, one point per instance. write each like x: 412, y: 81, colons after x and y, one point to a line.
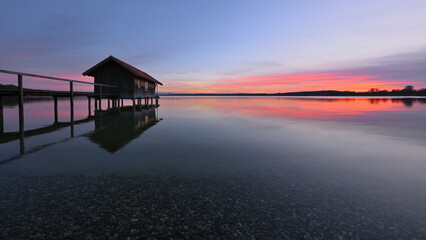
x: 341, y: 81
x: 336, y: 80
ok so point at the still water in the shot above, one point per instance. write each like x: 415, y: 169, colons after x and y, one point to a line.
x: 217, y: 167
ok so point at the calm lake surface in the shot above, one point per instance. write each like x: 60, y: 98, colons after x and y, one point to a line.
x: 217, y: 167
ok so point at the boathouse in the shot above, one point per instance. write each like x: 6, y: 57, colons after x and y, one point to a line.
x: 131, y: 82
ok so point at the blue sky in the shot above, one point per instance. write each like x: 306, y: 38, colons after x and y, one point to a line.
x: 221, y: 46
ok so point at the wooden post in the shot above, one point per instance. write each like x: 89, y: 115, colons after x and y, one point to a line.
x: 89, y: 106
x: 122, y: 102
x: 156, y: 101
x: 100, y: 98
x: 133, y: 100
x: 55, y: 103
x: 1, y: 115
x: 72, y: 101
x: 109, y: 106
x: 72, y: 107
x: 100, y: 119
x: 21, y: 114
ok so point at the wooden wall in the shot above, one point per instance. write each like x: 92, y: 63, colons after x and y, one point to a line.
x: 140, y: 91
x: 114, y: 74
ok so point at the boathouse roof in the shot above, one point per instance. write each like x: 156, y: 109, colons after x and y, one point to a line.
x: 127, y: 66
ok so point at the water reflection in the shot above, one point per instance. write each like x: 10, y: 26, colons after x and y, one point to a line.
x: 113, y: 129
x: 21, y: 135
x: 334, y: 109
x: 269, y: 168
x: 116, y: 130
x: 399, y: 117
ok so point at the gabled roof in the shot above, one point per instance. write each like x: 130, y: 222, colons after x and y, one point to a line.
x: 127, y: 66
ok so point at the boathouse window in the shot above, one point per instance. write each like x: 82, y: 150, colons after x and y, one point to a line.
x: 139, y: 83
x: 146, y: 86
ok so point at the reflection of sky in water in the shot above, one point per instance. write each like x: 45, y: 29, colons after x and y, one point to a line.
x: 353, y: 159
x: 365, y: 139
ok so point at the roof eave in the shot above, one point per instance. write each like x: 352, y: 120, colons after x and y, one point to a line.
x: 90, y: 70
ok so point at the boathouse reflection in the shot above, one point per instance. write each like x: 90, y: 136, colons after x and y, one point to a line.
x: 114, y: 131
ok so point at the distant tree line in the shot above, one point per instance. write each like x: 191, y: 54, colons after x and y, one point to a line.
x: 406, y: 91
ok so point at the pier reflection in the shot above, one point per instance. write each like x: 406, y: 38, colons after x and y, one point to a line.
x: 113, y: 129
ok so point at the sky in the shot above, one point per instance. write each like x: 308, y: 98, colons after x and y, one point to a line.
x: 224, y: 46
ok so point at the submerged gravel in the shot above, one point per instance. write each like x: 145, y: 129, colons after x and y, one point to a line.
x: 150, y: 207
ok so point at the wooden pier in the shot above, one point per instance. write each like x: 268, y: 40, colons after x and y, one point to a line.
x: 114, y: 100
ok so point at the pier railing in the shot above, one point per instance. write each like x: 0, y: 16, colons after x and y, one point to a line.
x: 20, y: 94
x: 53, y: 78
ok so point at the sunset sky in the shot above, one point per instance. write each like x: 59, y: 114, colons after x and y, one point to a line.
x: 222, y: 46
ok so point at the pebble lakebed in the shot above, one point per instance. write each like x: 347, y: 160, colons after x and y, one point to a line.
x: 205, y: 207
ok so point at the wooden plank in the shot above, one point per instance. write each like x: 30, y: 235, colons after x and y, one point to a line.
x: 53, y: 78
x: 47, y: 93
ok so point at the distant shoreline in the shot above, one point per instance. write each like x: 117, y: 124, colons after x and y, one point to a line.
x: 409, y: 91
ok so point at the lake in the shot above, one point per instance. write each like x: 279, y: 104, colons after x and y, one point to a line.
x: 217, y: 167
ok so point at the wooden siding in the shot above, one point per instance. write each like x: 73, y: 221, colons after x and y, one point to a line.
x: 140, y: 89
x: 113, y: 74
